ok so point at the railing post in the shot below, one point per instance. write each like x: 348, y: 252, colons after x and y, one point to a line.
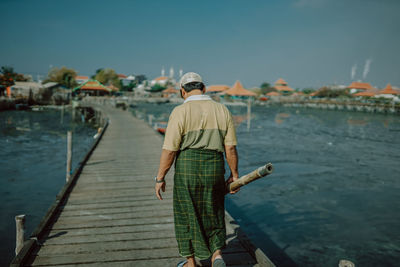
x: 346, y: 263
x: 248, y: 114
x: 20, y: 226
x: 69, y: 155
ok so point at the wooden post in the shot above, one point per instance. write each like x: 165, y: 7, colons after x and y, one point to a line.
x: 20, y: 226
x: 62, y: 113
x: 248, y: 114
x: 346, y: 263
x: 69, y: 155
x: 151, y: 119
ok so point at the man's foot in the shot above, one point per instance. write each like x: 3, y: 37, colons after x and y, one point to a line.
x: 219, y: 262
x: 182, y: 264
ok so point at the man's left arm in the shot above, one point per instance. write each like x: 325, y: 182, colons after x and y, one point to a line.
x: 166, y: 161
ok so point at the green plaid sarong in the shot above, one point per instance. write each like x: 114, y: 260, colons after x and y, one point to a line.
x: 199, y: 212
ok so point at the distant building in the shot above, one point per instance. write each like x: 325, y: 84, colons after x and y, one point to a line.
x: 81, y: 79
x: 93, y: 88
x: 170, y: 92
x: 215, y: 89
x: 238, y: 91
x: 368, y: 93
x: 113, y: 88
x: 127, y: 79
x: 23, y: 89
x: 356, y: 87
x: 282, y: 86
x: 162, y: 80
x: 273, y: 94
x: 388, y: 92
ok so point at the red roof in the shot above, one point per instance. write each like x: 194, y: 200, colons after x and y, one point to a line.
x: 283, y: 88
x: 389, y: 90
x: 121, y: 76
x: 370, y: 92
x: 273, y: 94
x: 81, y: 78
x: 92, y: 85
x: 360, y: 86
x: 217, y: 88
x: 238, y: 90
x: 112, y: 87
x: 171, y: 90
x: 161, y: 78
x: 280, y: 81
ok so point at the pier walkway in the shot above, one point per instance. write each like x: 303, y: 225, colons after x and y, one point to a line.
x: 111, y: 216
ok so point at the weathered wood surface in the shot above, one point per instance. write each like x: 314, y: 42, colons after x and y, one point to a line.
x: 112, y: 217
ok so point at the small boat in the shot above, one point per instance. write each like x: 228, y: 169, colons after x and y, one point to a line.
x: 161, y: 127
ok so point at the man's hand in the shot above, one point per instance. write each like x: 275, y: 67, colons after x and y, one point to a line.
x: 230, y: 180
x: 158, y: 187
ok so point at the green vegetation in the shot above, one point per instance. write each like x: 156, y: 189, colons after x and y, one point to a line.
x: 266, y: 88
x: 330, y: 93
x: 8, y: 76
x: 157, y: 88
x: 108, y: 76
x: 129, y: 87
x: 63, y: 76
x: 308, y: 91
x: 140, y: 78
x: 257, y: 91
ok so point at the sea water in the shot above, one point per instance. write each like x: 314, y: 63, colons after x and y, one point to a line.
x: 33, y: 152
x: 335, y: 191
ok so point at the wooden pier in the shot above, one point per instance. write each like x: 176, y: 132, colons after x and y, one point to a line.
x: 108, y: 214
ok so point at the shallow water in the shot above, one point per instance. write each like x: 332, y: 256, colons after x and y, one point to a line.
x: 334, y: 193
x: 32, y: 170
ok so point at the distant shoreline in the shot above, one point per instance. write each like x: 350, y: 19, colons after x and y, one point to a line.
x: 325, y: 104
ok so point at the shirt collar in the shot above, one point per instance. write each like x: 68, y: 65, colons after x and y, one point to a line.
x: 197, y: 97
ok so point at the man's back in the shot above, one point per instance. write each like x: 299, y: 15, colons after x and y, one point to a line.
x: 202, y: 124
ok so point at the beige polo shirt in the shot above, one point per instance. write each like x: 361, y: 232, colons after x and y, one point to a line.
x: 199, y: 123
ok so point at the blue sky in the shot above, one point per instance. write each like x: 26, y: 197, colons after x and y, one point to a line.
x: 309, y: 43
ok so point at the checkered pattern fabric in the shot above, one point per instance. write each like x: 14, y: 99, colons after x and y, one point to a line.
x: 199, y: 213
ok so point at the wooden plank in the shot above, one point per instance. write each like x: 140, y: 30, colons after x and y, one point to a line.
x: 117, y: 245
x: 169, y: 262
x: 112, y: 223
x: 119, y: 216
x: 111, y: 230
x: 108, y: 238
x: 114, y: 210
x: 95, y: 205
x: 108, y: 256
x: 146, y: 263
x: 130, y: 255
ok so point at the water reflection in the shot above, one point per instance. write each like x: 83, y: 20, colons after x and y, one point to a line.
x: 357, y: 122
x: 280, y: 117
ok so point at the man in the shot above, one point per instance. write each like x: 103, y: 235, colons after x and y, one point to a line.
x: 198, y: 133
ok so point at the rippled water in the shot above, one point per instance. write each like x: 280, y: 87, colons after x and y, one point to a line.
x: 32, y: 170
x: 335, y: 192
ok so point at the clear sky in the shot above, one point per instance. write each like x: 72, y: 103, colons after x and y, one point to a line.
x: 309, y: 43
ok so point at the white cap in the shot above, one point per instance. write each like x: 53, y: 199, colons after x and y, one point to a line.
x: 189, y: 78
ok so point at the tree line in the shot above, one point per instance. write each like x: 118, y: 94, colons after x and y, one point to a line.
x: 67, y: 78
